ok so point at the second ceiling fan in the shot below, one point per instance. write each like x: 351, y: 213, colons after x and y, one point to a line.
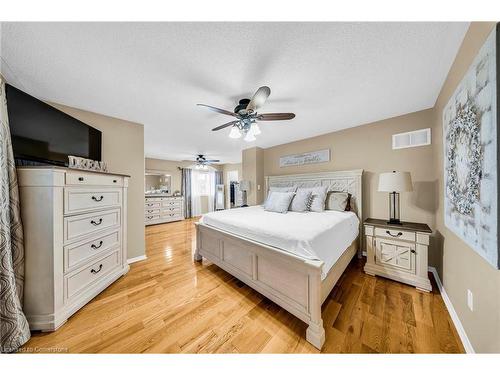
x: 247, y: 116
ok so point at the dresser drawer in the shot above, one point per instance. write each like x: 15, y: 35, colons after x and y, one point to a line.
x: 84, y: 178
x: 81, y: 252
x: 171, y: 203
x: 87, y: 224
x: 83, y: 279
x: 175, y: 215
x: 171, y: 210
x: 395, y: 234
x: 78, y: 200
x: 153, y: 211
x: 151, y: 217
x: 151, y: 205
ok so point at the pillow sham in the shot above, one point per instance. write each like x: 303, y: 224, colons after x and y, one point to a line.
x: 318, y: 197
x: 283, y: 189
x: 278, y: 201
x: 338, y: 201
x: 301, y: 201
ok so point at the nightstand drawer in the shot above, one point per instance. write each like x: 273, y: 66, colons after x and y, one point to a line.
x: 395, y: 234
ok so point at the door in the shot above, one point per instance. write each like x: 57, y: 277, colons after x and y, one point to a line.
x: 395, y: 254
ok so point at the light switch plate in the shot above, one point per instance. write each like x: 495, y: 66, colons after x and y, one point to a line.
x: 470, y: 300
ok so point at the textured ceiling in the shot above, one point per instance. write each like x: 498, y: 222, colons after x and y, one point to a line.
x: 332, y: 75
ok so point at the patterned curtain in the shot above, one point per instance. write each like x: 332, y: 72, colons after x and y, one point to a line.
x: 219, y: 180
x: 14, y: 328
x: 186, y: 191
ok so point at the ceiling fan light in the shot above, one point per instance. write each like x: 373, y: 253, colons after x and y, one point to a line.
x: 249, y: 137
x: 255, y: 129
x: 235, y: 132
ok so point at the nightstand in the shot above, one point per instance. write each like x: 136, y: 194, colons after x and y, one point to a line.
x: 398, y: 252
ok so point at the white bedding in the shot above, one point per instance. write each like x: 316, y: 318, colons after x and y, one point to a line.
x: 312, y: 235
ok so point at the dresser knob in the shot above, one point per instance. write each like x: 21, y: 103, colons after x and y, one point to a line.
x: 95, y: 222
x: 80, y: 178
x: 95, y: 247
x: 393, y: 235
x: 94, y: 271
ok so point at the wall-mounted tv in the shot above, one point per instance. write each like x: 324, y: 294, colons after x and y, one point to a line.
x: 41, y: 134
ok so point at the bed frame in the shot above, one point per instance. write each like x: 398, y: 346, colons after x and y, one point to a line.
x: 290, y: 281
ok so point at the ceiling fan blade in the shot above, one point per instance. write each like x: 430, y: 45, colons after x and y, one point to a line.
x: 259, y: 98
x: 225, y: 125
x: 275, y: 116
x: 215, y: 109
x: 212, y: 161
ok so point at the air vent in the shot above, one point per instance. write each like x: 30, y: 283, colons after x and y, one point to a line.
x: 415, y: 138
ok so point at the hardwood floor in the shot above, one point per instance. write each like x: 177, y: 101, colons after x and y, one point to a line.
x: 169, y: 304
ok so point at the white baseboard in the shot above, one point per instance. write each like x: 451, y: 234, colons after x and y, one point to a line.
x: 137, y: 259
x: 454, y: 316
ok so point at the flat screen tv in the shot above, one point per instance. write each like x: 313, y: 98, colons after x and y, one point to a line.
x: 41, y: 134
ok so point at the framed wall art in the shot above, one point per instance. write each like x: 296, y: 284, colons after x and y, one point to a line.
x: 470, y: 141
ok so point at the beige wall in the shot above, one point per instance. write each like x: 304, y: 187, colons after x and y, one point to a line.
x: 460, y: 267
x: 123, y: 151
x: 370, y: 147
x: 253, y: 171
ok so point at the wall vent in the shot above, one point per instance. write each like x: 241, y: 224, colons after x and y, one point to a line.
x: 415, y: 138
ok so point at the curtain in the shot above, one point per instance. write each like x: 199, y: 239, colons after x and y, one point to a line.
x: 211, y: 191
x: 219, y: 180
x: 186, y: 191
x: 14, y: 328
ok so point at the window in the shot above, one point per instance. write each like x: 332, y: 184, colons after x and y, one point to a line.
x: 202, y: 180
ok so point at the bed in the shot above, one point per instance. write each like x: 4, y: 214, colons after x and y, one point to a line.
x: 294, y: 259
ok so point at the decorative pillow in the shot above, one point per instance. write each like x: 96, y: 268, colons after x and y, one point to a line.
x: 338, y: 201
x: 318, y: 197
x: 283, y: 189
x: 301, y: 201
x: 278, y: 201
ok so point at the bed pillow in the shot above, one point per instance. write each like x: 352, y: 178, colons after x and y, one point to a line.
x: 283, y: 189
x: 318, y: 197
x: 301, y: 201
x: 338, y: 201
x: 278, y: 201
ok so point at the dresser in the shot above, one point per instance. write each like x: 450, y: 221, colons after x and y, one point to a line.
x: 398, y: 252
x: 75, y: 232
x: 163, y: 209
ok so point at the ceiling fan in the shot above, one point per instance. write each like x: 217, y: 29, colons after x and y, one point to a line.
x: 202, y: 163
x: 247, y: 116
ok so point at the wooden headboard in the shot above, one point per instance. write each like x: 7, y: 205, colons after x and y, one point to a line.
x: 346, y: 181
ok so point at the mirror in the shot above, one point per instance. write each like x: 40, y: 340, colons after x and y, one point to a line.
x: 157, y: 182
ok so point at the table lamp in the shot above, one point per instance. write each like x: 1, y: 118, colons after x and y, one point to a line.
x: 394, y: 182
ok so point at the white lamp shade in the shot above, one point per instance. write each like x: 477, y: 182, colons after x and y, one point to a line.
x: 245, y: 185
x: 235, y: 132
x: 255, y: 129
x: 249, y: 137
x: 395, y: 181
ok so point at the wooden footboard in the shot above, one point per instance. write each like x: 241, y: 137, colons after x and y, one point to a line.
x: 292, y: 282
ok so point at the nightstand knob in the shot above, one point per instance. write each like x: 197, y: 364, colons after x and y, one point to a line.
x: 393, y: 235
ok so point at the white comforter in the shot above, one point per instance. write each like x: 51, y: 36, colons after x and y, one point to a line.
x: 312, y: 235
